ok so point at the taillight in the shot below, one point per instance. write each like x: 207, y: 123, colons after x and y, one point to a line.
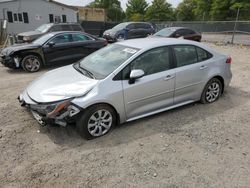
x: 229, y: 60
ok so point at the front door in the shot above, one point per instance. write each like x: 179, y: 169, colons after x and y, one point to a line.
x: 62, y: 50
x: 155, y: 90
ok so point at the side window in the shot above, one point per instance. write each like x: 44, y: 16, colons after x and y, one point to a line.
x: 76, y: 28
x: 190, y: 32
x: 60, y: 39
x: 131, y: 26
x: 80, y: 37
x: 152, y: 61
x: 66, y: 28
x: 185, y: 55
x: 56, y: 28
x: 202, y: 54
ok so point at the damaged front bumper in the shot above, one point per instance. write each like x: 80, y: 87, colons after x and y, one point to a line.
x: 10, y: 62
x: 60, y: 113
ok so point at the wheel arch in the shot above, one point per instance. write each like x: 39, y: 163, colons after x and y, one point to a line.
x: 221, y: 80
x: 111, y: 106
x: 24, y: 53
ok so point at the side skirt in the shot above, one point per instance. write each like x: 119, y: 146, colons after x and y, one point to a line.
x: 161, y: 110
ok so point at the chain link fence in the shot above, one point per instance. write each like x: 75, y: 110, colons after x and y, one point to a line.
x: 216, y: 31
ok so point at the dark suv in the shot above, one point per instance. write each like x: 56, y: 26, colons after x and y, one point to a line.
x: 129, y: 30
x: 46, y: 28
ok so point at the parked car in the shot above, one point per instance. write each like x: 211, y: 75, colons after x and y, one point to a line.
x: 129, y: 30
x: 128, y: 80
x: 47, y: 28
x: 177, y: 32
x: 51, y: 49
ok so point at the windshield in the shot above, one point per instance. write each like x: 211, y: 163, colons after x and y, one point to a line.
x: 165, y: 32
x: 44, y: 28
x: 119, y: 26
x: 41, y: 40
x: 104, y: 61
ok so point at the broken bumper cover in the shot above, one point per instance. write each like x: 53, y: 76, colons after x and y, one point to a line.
x: 10, y: 62
x: 60, y: 113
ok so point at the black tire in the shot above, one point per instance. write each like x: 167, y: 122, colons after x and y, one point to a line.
x: 206, y: 90
x: 85, y: 119
x: 31, y: 63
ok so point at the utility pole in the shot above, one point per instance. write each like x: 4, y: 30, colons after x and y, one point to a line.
x: 235, y: 24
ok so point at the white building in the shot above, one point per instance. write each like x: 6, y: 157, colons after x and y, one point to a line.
x: 26, y: 15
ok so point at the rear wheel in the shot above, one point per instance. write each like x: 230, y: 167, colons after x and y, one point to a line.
x: 212, y: 91
x: 96, y: 121
x: 31, y: 63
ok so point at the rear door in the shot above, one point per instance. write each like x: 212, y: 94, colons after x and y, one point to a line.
x: 84, y: 45
x: 191, y: 73
x: 155, y: 90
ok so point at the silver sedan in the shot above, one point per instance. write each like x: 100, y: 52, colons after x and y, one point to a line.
x: 126, y: 81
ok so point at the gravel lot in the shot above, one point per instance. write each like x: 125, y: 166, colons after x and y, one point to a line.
x: 192, y: 146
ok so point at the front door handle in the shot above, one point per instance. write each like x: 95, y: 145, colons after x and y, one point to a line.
x: 169, y: 77
x: 203, y: 67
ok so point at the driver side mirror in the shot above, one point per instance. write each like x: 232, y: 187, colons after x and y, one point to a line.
x: 135, y: 74
x: 51, y: 44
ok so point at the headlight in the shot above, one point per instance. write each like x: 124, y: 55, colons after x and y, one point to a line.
x: 51, y: 110
x: 26, y: 38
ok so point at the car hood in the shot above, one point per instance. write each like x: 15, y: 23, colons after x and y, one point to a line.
x: 17, y: 47
x: 60, y: 84
x: 30, y: 33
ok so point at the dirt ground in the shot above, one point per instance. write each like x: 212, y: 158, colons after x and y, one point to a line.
x: 192, y: 146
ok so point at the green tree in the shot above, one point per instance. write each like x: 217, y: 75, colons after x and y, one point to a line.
x: 227, y: 9
x: 136, y: 9
x: 160, y: 10
x: 202, y: 9
x: 113, y: 9
x: 185, y: 10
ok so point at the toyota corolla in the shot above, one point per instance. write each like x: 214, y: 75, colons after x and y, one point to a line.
x: 126, y: 81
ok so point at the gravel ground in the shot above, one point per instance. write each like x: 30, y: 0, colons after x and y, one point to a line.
x: 192, y: 146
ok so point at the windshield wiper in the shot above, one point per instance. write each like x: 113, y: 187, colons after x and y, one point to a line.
x: 84, y: 71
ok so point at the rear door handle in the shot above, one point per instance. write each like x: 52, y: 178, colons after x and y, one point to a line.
x: 203, y: 67
x: 169, y: 77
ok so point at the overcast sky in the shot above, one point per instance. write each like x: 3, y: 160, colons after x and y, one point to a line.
x: 123, y: 2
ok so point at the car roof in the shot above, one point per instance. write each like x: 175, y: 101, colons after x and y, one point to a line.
x: 154, y: 42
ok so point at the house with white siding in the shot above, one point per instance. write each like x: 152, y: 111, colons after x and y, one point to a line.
x: 26, y: 15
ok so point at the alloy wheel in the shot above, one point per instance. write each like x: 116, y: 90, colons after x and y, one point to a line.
x: 100, y: 122
x: 213, y: 92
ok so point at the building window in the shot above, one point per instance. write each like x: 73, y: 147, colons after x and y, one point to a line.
x: 10, y: 17
x: 25, y: 17
x: 57, y: 19
x: 51, y: 18
x: 15, y: 17
x: 20, y: 17
x: 64, y: 18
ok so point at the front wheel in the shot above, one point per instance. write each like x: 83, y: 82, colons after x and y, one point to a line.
x: 212, y: 91
x: 96, y: 121
x: 31, y: 63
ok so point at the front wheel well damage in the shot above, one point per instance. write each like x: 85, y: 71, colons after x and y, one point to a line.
x: 23, y: 54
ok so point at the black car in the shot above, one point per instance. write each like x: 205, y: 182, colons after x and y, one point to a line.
x: 176, y: 32
x: 129, y: 30
x: 51, y: 49
x: 30, y: 36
